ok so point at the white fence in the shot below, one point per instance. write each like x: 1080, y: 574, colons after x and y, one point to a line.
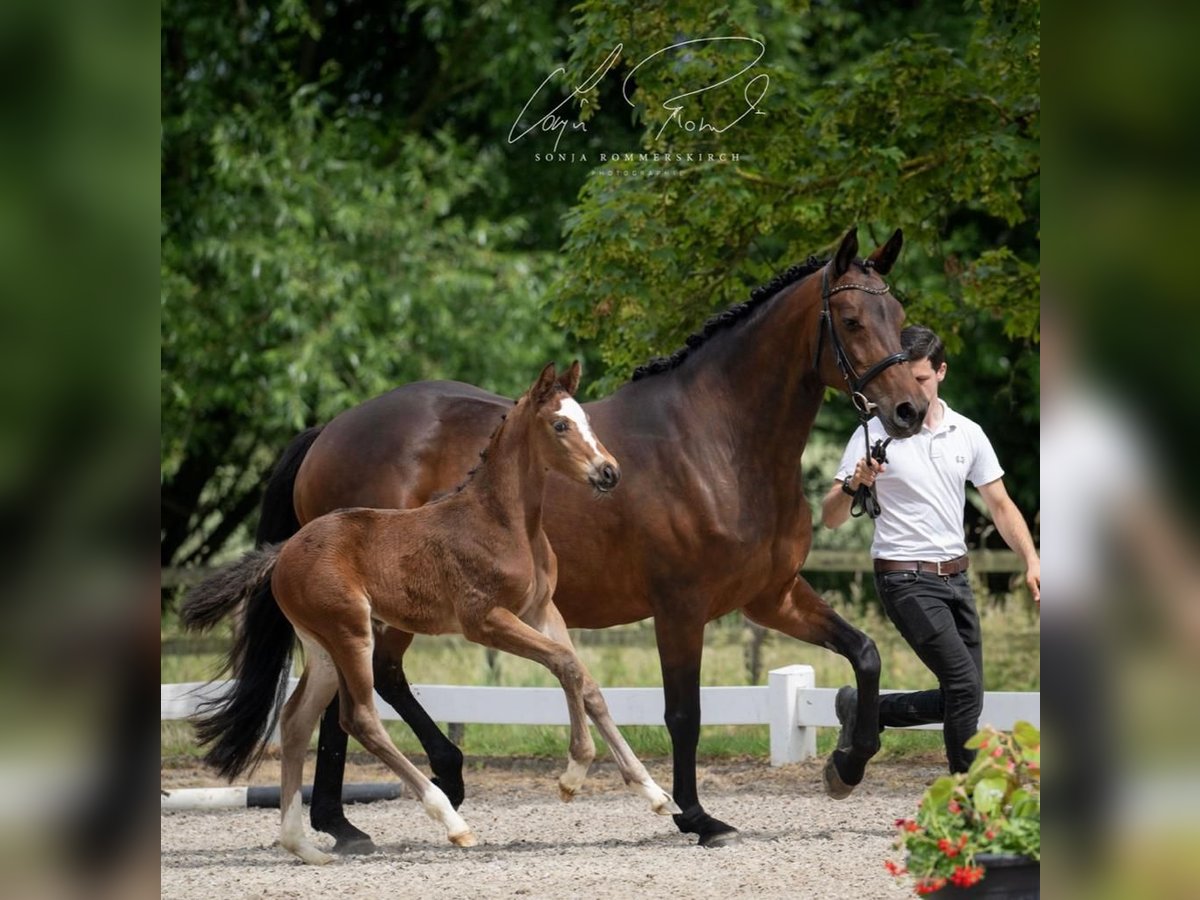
x: 790, y: 704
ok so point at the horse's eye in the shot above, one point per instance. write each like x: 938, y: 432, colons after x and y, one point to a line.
x: 560, y: 426
x: 852, y: 324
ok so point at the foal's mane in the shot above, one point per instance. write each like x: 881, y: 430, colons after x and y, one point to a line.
x: 483, y: 454
x: 730, y: 317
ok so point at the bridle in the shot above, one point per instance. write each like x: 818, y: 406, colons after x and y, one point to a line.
x: 864, y: 407
x: 864, y: 498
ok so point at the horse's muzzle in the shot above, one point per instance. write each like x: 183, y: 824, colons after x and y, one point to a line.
x: 907, y: 417
x: 605, y: 477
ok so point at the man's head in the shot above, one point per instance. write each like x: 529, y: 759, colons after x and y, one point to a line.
x: 926, y: 359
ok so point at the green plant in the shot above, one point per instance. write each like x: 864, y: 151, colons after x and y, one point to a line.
x: 993, y: 808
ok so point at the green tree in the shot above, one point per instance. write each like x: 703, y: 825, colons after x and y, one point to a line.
x: 915, y: 131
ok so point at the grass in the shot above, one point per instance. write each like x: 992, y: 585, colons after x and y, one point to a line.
x: 626, y: 657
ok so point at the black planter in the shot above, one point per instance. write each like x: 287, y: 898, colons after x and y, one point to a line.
x: 1007, y: 878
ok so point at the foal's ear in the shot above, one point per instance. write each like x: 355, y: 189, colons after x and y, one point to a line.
x: 884, y: 258
x: 544, y: 385
x: 845, y: 253
x: 569, y: 379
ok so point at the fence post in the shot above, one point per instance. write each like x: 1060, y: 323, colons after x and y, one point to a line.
x: 789, y: 742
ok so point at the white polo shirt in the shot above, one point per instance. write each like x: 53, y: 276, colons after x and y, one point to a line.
x: 923, y: 490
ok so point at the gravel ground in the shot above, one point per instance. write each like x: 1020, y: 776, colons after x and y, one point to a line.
x: 796, y: 841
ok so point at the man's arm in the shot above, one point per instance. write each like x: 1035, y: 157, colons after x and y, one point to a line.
x: 1011, y: 525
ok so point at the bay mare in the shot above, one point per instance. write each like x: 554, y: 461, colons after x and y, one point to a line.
x: 711, y: 516
x: 476, y: 563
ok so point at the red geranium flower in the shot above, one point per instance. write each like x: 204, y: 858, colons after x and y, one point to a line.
x: 965, y: 876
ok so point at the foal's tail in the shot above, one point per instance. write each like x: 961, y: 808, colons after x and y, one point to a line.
x: 238, y: 725
x: 235, y: 726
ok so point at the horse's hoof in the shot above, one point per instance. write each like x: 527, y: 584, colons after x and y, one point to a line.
x: 730, y: 838
x: 453, y: 789
x: 463, y: 839
x: 565, y: 794
x: 834, y: 786
x: 354, y: 845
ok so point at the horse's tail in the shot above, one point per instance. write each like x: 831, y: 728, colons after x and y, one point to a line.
x: 236, y: 725
x: 277, y: 521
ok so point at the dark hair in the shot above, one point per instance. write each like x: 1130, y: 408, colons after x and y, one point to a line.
x: 921, y: 343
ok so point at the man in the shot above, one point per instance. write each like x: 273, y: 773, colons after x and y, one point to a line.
x: 920, y: 551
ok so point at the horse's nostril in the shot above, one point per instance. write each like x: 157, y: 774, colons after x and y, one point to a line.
x: 906, y: 413
x: 610, y: 475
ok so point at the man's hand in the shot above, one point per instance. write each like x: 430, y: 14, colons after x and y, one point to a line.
x: 1033, y: 578
x: 865, y: 472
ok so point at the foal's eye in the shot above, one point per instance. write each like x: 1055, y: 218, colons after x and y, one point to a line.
x: 560, y: 426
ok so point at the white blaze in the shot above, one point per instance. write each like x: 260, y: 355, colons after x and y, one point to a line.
x: 569, y: 409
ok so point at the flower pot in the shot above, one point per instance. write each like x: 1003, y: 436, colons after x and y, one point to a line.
x: 1008, y: 877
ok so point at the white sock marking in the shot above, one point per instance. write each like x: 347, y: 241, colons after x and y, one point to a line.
x: 438, y: 807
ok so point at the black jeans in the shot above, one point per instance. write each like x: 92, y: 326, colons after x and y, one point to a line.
x: 936, y: 615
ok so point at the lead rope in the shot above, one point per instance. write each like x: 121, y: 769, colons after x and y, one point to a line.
x: 865, y: 500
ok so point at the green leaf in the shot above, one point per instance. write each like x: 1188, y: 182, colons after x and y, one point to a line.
x: 1027, y: 735
x: 938, y: 793
x: 989, y: 794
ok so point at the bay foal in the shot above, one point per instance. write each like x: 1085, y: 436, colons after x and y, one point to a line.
x: 476, y: 562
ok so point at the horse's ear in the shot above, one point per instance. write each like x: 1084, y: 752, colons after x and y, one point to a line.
x: 884, y: 258
x: 544, y: 385
x: 569, y: 379
x: 845, y: 253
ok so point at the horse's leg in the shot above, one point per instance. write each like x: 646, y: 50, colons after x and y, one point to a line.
x: 637, y: 779
x: 445, y: 759
x: 802, y: 613
x: 300, y: 714
x: 680, y: 647
x: 327, y: 812
x: 356, y: 694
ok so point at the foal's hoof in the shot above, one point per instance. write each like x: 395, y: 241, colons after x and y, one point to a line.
x: 310, y: 854
x: 834, y: 786
x: 463, y: 839
x: 666, y: 806
x: 565, y: 794
x: 354, y: 845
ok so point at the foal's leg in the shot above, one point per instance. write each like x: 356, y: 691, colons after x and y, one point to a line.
x: 356, y: 696
x: 680, y: 645
x: 317, y: 685
x: 637, y: 779
x: 505, y: 631
x: 803, y: 614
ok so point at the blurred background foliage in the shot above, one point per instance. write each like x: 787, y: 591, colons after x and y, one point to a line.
x: 343, y: 210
